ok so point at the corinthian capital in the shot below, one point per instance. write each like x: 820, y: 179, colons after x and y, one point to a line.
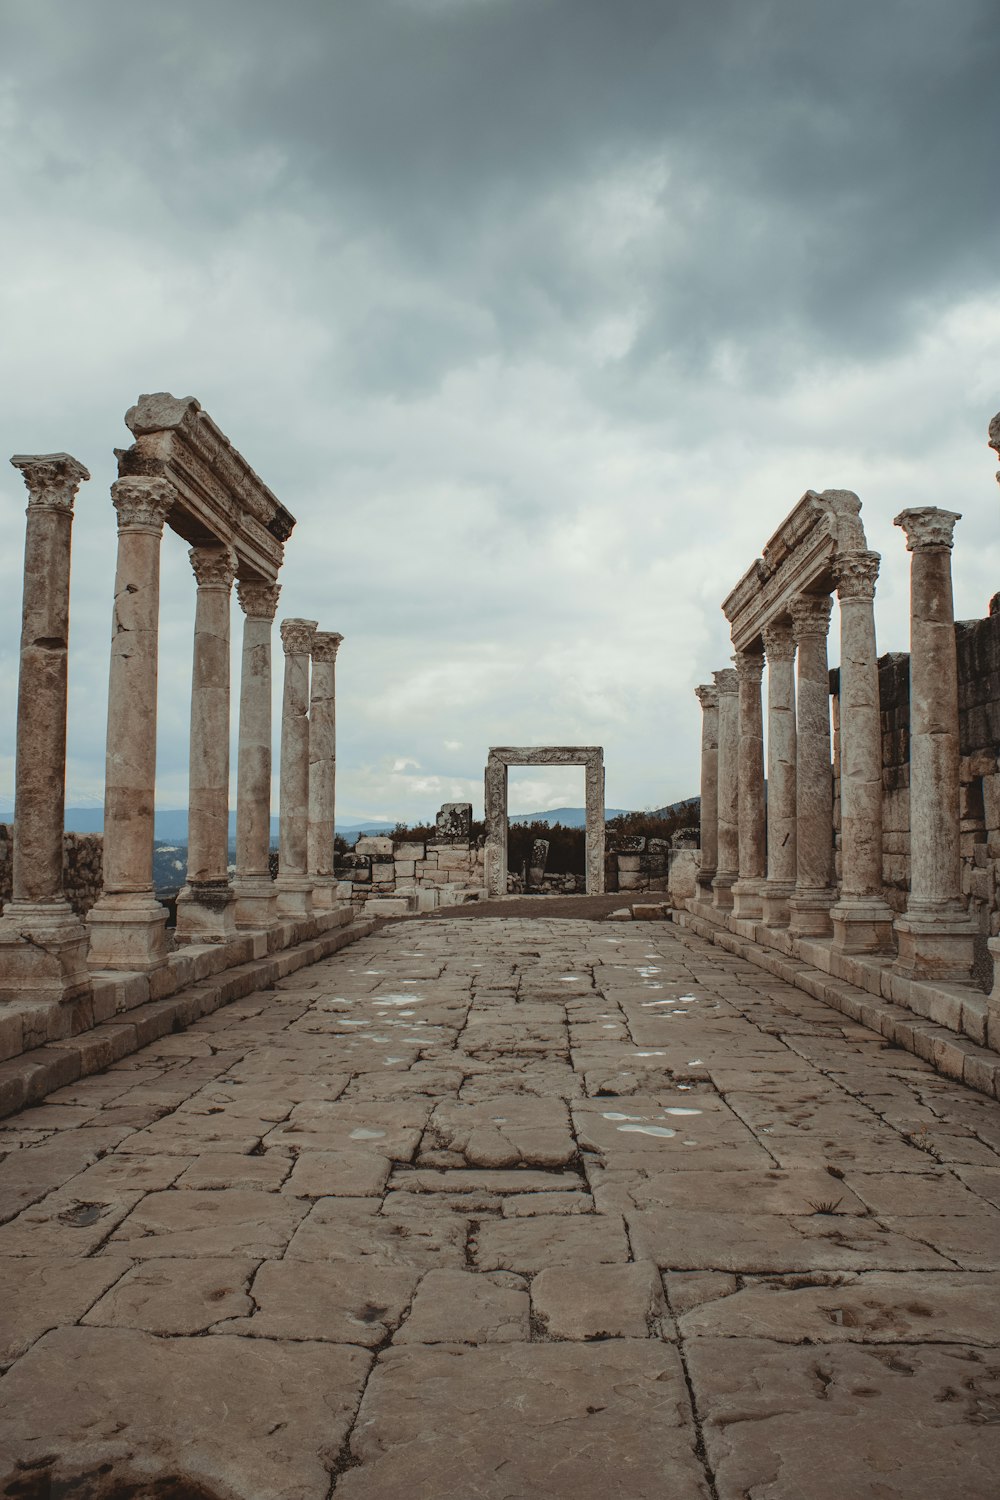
x: 810, y: 615
x: 52, y: 479
x: 142, y: 503
x: 258, y: 600
x: 707, y: 695
x: 297, y: 636
x: 749, y: 666
x: 856, y: 573
x: 213, y: 567
x: 325, y: 645
x: 926, y: 527
x: 727, y: 681
x: 995, y: 438
x: 779, y: 642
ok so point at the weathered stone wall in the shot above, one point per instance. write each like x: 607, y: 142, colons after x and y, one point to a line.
x: 978, y: 644
x: 414, y: 876
x: 83, y: 856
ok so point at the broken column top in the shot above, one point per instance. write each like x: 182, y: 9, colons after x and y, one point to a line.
x: 219, y: 497
x: 453, y: 824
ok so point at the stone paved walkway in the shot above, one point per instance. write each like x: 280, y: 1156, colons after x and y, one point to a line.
x: 500, y: 1210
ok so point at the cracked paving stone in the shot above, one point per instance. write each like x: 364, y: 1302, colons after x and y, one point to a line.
x: 529, y: 1245
x: 343, y: 1229
x: 342, y: 1303
x: 823, y: 1423
x: 41, y: 1294
x: 503, y: 1131
x: 517, y: 1420
x: 465, y: 1307
x: 175, y: 1296
x: 226, y: 1417
x: 601, y: 1302
x: 235, y: 1221
x: 340, y: 1174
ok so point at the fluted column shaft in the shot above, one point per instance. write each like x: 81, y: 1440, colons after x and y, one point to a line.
x: 862, y: 919
x: 127, y: 923
x: 708, y: 697
x: 935, y: 934
x: 204, y: 905
x: 813, y: 896
x: 254, y: 888
x: 750, y: 812
x: 322, y: 765
x: 294, y: 886
x: 779, y: 648
x: 727, y: 871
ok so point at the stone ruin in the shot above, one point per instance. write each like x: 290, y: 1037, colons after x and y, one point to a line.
x: 874, y: 856
x: 392, y: 876
x: 591, y: 757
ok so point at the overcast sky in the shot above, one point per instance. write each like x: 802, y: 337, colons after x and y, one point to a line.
x: 539, y: 315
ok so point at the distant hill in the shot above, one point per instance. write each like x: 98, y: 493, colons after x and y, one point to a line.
x: 569, y: 817
x: 170, y: 824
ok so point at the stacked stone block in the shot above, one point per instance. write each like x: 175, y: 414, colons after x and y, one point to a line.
x: 414, y: 876
x: 83, y: 862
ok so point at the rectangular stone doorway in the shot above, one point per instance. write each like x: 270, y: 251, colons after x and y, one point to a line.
x: 591, y: 757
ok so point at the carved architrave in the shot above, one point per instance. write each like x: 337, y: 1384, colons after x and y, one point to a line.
x: 52, y: 479
x: 213, y: 567
x: 142, y: 504
x: 856, y: 574
x: 258, y: 601
x: 218, y: 494
x: 297, y: 636
x: 927, y: 526
x: 325, y: 645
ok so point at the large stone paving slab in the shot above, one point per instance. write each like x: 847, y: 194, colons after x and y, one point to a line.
x: 508, y: 1422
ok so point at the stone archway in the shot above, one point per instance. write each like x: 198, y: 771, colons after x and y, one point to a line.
x: 591, y: 757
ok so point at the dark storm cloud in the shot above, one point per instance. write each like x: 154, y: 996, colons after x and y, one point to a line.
x: 828, y: 170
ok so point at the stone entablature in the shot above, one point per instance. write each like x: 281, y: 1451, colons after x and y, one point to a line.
x: 591, y: 757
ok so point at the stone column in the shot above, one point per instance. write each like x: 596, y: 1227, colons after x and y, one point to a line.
x: 708, y: 697
x: 43, y: 943
x: 728, y: 868
x: 205, y: 904
x: 779, y: 646
x: 127, y: 923
x: 809, y: 906
x: 322, y: 767
x: 935, y: 935
x: 253, y: 887
x: 594, y: 799
x: 495, y: 812
x: 748, y: 890
x: 294, y: 888
x: 862, y: 919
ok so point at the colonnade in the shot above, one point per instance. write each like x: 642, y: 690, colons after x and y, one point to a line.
x: 43, y: 946
x: 769, y: 857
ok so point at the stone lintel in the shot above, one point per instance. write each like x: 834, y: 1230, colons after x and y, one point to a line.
x: 219, y: 497
x: 547, y: 755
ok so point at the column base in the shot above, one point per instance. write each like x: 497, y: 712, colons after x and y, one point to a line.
x: 128, y: 931
x: 935, y: 945
x: 862, y: 926
x: 205, y: 912
x: 704, y: 881
x: 43, y: 952
x: 809, y: 913
x: 722, y: 890
x: 748, y: 899
x: 777, y: 894
x: 324, y: 892
x: 255, y: 904
x: 294, y: 895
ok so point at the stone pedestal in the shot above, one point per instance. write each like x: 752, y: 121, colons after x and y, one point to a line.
x: 256, y: 901
x: 322, y: 768
x: 747, y: 892
x: 861, y: 917
x: 205, y: 904
x: 779, y: 647
x: 127, y: 923
x: 708, y: 697
x: 43, y: 944
x: 935, y: 935
x: 294, y: 888
x: 728, y: 849
x: 809, y: 906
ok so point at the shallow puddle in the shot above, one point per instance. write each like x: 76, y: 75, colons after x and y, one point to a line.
x: 658, y: 1130
x: 362, y: 1133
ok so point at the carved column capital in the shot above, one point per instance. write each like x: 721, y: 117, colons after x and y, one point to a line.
x: 810, y: 615
x: 259, y: 601
x: 995, y: 438
x: 726, y: 680
x: 297, y: 636
x: 749, y: 666
x: 213, y: 567
x: 707, y: 695
x: 927, y: 526
x: 142, y: 503
x: 856, y: 573
x: 52, y: 479
x: 779, y: 642
x: 325, y: 645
